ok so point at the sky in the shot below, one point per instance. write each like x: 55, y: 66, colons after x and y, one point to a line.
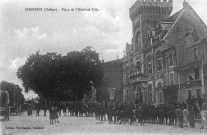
x: 107, y: 30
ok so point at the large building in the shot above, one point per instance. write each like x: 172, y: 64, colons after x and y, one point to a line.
x: 111, y: 88
x: 166, y: 61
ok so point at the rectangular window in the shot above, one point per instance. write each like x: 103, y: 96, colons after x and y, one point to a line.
x: 198, y: 93
x: 111, y: 93
x: 196, y: 72
x: 171, y: 79
x: 160, y: 97
x: 170, y: 60
x: 159, y: 65
x: 154, y: 97
x: 195, y: 53
x: 150, y: 97
x: 189, y: 94
x: 138, y: 64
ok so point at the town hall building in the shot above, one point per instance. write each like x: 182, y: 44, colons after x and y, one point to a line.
x: 166, y: 61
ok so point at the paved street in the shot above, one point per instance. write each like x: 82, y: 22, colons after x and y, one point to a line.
x: 84, y: 125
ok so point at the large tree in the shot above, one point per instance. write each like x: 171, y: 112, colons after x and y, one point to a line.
x: 60, y: 77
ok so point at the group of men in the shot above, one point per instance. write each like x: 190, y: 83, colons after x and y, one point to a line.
x: 182, y: 114
x: 67, y: 108
x: 179, y: 114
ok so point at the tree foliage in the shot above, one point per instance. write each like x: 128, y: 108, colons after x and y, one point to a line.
x: 15, y: 95
x: 58, y: 77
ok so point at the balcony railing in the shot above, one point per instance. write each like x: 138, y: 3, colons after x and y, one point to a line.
x: 138, y: 77
x: 189, y: 84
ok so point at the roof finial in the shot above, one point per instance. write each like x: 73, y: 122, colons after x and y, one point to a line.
x: 185, y: 4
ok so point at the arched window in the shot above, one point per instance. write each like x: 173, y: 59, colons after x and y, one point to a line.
x: 150, y: 93
x: 149, y: 62
x: 150, y: 88
x: 159, y: 85
x: 159, y: 60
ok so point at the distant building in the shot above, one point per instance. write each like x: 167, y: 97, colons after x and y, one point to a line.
x: 111, y: 88
x: 166, y: 61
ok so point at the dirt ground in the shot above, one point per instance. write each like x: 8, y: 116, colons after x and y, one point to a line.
x: 85, y: 125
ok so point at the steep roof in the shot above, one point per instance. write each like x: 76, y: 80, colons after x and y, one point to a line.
x: 174, y: 17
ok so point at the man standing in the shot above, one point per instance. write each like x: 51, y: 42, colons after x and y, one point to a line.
x: 200, y: 102
x: 179, y: 114
x: 189, y: 101
x: 191, y: 118
x: 45, y: 107
x: 38, y: 109
x: 185, y: 117
x: 204, y: 116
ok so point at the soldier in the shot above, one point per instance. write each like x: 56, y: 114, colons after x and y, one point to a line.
x: 29, y: 109
x: 122, y: 113
x: 56, y: 111
x: 140, y: 115
x: 59, y: 107
x: 64, y: 109
x: 38, y: 109
x: 109, y: 112
x: 114, y: 111
x: 130, y: 113
x: 204, y: 116
x: 45, y: 107
x: 153, y: 114
x: 134, y: 115
x: 179, y: 114
x: 52, y: 115
x: 191, y: 117
x: 200, y: 102
x: 172, y: 115
x: 189, y: 101
x: 185, y: 117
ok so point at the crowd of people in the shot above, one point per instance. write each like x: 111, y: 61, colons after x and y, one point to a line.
x: 182, y: 115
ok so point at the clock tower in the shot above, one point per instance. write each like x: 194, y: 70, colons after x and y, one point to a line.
x: 145, y: 15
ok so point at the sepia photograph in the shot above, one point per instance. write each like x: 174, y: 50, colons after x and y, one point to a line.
x: 103, y: 67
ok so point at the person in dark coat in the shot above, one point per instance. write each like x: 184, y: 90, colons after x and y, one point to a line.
x: 45, y: 107
x: 189, y: 101
x: 109, y: 112
x: 141, y: 116
x: 179, y: 114
x: 29, y: 109
x: 38, y: 109
x: 200, y: 102
x: 56, y: 112
x: 52, y: 115
x: 191, y: 117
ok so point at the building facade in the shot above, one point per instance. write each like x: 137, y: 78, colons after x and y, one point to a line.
x: 166, y: 60
x: 111, y: 88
